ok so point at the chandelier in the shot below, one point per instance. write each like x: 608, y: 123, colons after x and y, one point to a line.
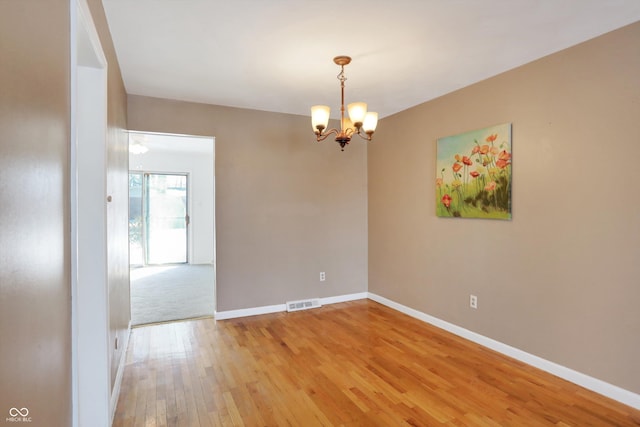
x: 136, y: 144
x: 360, y: 122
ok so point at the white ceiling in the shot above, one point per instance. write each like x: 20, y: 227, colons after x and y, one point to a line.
x: 276, y: 55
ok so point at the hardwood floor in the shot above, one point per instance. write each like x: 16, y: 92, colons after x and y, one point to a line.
x: 351, y: 364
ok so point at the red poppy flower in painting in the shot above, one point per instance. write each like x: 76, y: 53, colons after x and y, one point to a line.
x: 503, y: 159
x: 476, y: 149
x: 484, y: 149
x: 467, y: 161
x: 439, y: 182
x: 456, y: 167
x: 490, y: 186
x: 492, y: 138
x: 446, y: 200
x: 474, y: 174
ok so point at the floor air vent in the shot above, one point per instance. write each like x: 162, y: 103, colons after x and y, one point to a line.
x: 303, y: 304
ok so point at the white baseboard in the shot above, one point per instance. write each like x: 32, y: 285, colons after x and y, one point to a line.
x: 601, y: 387
x: 244, y: 312
x: 344, y: 298
x: 115, y: 394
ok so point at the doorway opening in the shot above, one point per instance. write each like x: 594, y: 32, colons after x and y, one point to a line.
x: 171, y: 227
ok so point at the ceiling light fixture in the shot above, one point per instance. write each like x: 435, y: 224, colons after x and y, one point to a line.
x: 138, y: 148
x: 137, y: 143
x: 359, y: 122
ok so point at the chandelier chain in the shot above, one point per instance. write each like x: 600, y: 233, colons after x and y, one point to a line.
x: 341, y: 75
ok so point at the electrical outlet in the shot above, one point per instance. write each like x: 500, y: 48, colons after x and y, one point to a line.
x: 323, y: 276
x: 473, y: 301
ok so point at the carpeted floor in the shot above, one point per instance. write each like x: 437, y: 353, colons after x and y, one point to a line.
x: 173, y: 292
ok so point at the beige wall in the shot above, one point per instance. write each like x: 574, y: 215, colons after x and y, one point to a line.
x: 561, y: 279
x: 286, y: 206
x: 35, y: 310
x: 35, y: 284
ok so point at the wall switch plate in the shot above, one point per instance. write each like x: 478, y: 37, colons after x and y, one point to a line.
x: 473, y: 301
x: 323, y: 277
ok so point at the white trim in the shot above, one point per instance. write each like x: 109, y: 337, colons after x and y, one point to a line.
x: 343, y: 298
x: 244, y: 312
x: 89, y: 293
x: 609, y: 390
x: 119, y: 374
x: 73, y: 184
x: 267, y: 309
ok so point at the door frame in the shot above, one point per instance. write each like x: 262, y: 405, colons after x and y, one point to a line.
x: 192, y: 240
x: 91, y: 385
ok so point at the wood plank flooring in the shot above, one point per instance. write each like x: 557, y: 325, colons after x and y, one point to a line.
x: 351, y: 364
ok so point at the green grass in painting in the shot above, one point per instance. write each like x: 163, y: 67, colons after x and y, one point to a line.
x: 474, y: 200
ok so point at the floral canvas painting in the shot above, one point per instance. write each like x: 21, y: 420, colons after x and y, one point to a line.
x: 474, y: 174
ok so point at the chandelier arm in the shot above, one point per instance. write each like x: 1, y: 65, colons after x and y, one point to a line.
x: 325, y: 135
x: 367, y: 137
x: 350, y: 132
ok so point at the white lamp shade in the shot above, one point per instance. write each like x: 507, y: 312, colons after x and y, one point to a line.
x: 320, y: 116
x: 357, y: 111
x: 370, y: 122
x: 347, y: 124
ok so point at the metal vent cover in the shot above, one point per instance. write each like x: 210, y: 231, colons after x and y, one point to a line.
x: 303, y: 304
